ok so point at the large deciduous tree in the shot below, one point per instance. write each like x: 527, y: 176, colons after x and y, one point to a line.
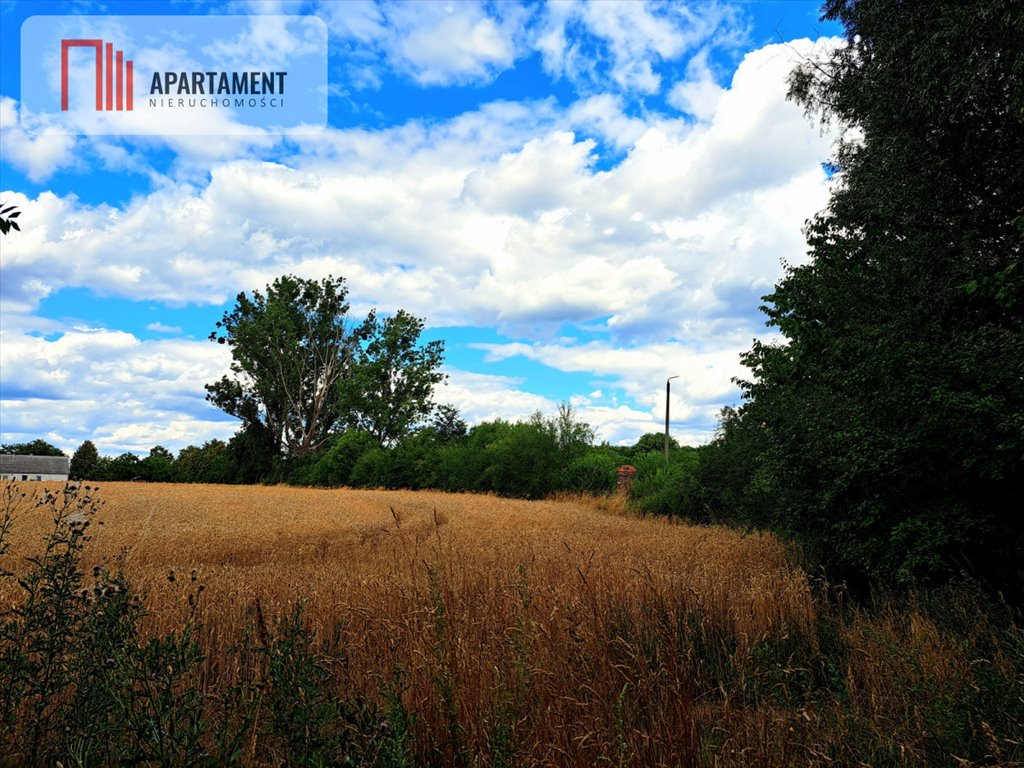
x: 290, y: 347
x: 85, y: 461
x: 392, y: 382
x: 891, y: 421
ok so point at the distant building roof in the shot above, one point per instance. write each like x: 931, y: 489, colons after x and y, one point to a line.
x: 33, y: 465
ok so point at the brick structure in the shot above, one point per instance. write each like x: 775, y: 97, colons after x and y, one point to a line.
x: 624, y: 481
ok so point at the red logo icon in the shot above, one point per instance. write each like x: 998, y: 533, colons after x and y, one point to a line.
x: 119, y: 76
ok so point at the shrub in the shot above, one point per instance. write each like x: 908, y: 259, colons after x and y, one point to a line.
x: 209, y: 464
x: 673, y: 489
x: 371, y: 470
x: 75, y: 677
x: 526, y: 462
x: 594, y: 472
x: 334, y: 465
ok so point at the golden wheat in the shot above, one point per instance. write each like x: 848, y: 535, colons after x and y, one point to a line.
x: 581, y: 632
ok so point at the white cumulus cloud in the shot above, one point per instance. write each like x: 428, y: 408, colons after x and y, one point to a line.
x: 502, y: 216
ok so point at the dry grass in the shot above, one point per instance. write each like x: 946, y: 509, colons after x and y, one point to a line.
x: 564, y: 632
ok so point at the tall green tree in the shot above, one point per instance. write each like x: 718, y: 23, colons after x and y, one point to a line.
x: 158, y: 466
x: 84, y: 462
x: 891, y: 419
x: 210, y: 463
x: 290, y: 348
x: 392, y: 383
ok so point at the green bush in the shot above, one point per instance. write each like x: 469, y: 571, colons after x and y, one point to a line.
x: 525, y: 463
x: 209, y: 464
x: 333, y: 466
x: 594, y: 472
x: 673, y: 489
x: 462, y: 465
x: 372, y: 469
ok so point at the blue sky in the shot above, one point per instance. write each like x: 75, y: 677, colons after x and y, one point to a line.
x: 581, y: 199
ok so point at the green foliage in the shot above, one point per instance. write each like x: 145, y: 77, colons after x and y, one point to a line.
x: 572, y: 436
x: 371, y: 469
x: 290, y: 347
x: 251, y: 454
x: 462, y: 465
x: 891, y: 422
x: 311, y: 725
x: 734, y: 482
x: 672, y: 490
x: 593, y: 472
x: 447, y: 424
x: 653, y: 441
x: 84, y: 462
x: 334, y: 465
x: 158, y: 466
x: 531, y: 459
x: 121, y: 468
x: 8, y: 214
x: 527, y: 459
x: 33, y: 448
x: 391, y: 386
x: 523, y: 463
x: 209, y: 464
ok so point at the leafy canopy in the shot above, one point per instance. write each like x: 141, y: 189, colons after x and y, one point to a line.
x: 391, y: 386
x: 891, y: 422
x: 290, y: 348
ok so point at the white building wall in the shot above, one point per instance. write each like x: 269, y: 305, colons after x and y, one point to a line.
x: 58, y: 478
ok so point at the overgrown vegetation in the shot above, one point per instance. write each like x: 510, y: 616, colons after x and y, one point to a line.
x: 886, y: 432
x: 398, y: 629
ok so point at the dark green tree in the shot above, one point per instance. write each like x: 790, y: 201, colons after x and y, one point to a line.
x: 525, y: 462
x: 158, y: 466
x: 447, y: 424
x: 572, y: 435
x: 34, y: 448
x: 335, y: 463
x: 291, y: 346
x: 210, y: 463
x: 391, y: 387
x: 891, y: 420
x: 252, y: 453
x: 123, y: 468
x: 84, y: 461
x: 653, y: 441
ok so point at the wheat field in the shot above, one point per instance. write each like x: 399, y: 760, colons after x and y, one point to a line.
x: 562, y: 632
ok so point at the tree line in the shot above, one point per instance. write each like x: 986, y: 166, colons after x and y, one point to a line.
x: 533, y: 458
x: 886, y: 433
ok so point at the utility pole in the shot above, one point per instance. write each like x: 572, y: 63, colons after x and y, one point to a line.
x: 668, y: 392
